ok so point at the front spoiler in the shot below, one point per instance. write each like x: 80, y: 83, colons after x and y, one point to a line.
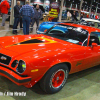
x: 14, y: 76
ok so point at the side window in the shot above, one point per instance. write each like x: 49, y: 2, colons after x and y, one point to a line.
x: 94, y: 38
x: 59, y: 31
x: 96, y: 25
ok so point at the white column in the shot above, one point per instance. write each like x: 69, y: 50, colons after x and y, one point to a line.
x: 76, y: 6
x: 13, y: 3
x: 81, y: 2
x: 90, y: 7
x: 61, y: 8
x: 96, y: 9
x: 71, y: 6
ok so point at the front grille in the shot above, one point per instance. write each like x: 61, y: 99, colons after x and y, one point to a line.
x: 4, y: 59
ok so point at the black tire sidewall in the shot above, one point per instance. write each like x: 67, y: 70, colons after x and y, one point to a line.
x: 48, y: 85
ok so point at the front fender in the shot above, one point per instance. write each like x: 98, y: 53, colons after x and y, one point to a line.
x: 58, y: 61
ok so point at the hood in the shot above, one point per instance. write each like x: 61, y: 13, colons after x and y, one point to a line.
x: 33, y: 43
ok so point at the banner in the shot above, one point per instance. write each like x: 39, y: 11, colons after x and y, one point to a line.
x: 54, y: 10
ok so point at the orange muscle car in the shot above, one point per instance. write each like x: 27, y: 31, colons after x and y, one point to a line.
x: 48, y: 58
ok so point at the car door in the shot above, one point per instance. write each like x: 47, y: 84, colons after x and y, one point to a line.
x: 78, y: 59
x: 92, y: 54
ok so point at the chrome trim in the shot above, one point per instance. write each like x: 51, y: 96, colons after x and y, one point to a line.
x: 3, y: 58
x: 9, y: 62
x: 40, y: 32
x: 84, y: 41
x: 17, y: 66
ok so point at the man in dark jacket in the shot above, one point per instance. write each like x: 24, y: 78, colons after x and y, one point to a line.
x: 17, y: 17
x: 74, y: 18
x: 37, y: 16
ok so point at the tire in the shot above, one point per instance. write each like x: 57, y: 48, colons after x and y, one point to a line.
x: 55, y: 79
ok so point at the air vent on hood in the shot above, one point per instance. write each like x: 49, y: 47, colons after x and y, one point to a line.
x: 31, y: 41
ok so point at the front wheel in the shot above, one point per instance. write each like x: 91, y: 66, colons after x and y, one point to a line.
x: 55, y: 79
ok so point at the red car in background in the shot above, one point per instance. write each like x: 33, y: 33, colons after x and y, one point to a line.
x: 49, y: 58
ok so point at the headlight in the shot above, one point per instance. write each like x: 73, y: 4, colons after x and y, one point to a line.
x: 21, y: 67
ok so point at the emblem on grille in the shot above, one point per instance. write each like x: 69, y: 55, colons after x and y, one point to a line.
x: 3, y: 58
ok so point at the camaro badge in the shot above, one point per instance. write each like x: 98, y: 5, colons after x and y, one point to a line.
x: 3, y: 58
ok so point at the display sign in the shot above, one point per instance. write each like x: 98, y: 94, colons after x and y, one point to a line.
x: 54, y: 10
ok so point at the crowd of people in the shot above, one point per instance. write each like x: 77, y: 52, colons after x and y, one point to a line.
x: 74, y: 15
x: 29, y: 16
x: 26, y: 14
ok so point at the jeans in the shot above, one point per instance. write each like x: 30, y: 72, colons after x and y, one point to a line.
x: 26, y: 23
x: 21, y: 22
x: 16, y: 21
x: 37, y: 23
x: 3, y: 19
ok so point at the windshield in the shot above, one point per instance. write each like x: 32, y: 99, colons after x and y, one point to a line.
x: 71, y: 34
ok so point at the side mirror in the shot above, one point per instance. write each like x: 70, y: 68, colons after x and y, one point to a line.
x: 94, y: 44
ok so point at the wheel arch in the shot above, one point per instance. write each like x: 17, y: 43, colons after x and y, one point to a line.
x: 68, y: 64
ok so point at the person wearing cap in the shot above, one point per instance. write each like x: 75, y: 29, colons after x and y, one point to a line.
x: 27, y: 13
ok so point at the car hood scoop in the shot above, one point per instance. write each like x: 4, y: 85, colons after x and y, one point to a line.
x: 31, y: 41
x: 27, y: 42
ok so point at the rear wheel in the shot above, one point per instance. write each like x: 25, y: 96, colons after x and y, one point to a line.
x: 54, y: 80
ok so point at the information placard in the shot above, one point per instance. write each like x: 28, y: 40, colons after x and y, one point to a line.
x: 54, y: 10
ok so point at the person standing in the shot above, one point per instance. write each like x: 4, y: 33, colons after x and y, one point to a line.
x: 74, y: 18
x: 87, y: 16
x: 81, y: 16
x: 26, y: 12
x: 92, y: 16
x: 17, y: 17
x: 4, y: 7
x: 37, y: 16
x: 68, y: 15
x: 21, y: 19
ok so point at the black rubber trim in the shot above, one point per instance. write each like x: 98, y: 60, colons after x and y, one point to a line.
x: 13, y: 78
x: 12, y: 70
